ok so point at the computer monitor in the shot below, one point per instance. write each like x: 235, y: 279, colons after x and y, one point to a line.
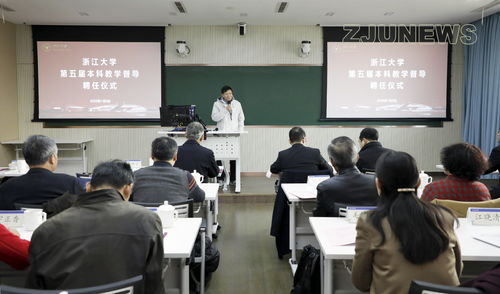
x: 177, y: 115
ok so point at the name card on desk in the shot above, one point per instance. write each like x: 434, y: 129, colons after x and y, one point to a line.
x: 484, y: 216
x: 11, y: 218
x: 352, y: 213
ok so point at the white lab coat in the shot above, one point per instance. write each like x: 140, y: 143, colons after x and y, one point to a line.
x: 226, y: 121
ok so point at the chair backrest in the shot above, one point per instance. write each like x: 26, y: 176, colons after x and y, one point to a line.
x: 184, y: 208
x: 461, y: 207
x: 121, y: 287
x: 420, y: 287
x: 23, y: 206
x: 83, y: 179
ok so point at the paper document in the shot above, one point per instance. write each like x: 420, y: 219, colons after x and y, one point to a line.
x: 492, y: 239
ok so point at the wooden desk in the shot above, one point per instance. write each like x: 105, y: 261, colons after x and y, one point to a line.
x: 326, y: 230
x: 301, y: 233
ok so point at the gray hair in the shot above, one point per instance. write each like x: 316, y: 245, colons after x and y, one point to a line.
x: 343, y: 152
x: 194, y: 130
x: 37, y: 149
x: 163, y: 148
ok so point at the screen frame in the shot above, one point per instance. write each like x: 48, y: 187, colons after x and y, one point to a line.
x: 96, y: 34
x: 339, y: 34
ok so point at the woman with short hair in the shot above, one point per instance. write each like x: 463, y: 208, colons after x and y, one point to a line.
x: 404, y: 238
x: 464, y: 164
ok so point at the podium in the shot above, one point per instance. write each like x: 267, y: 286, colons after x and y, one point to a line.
x: 225, y: 145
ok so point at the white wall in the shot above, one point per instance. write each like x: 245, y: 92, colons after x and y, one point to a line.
x: 220, y: 45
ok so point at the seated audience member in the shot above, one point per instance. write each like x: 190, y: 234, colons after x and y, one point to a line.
x: 488, y: 282
x: 404, y: 238
x: 101, y: 239
x: 192, y: 156
x: 299, y: 157
x: 371, y: 149
x: 349, y: 186
x: 13, y: 250
x: 463, y: 163
x: 40, y: 184
x: 162, y: 181
x: 494, y: 165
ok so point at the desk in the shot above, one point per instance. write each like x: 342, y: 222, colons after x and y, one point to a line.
x: 225, y: 145
x: 62, y: 145
x: 212, y: 209
x: 301, y: 233
x: 325, y: 229
x: 8, y: 173
x: 177, y: 244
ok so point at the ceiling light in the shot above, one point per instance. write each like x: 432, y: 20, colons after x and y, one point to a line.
x: 180, y: 7
x: 281, y: 7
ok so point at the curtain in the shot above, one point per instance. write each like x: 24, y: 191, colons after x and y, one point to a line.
x: 481, y: 112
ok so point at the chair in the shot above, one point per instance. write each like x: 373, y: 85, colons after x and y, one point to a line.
x: 280, y: 225
x: 420, y: 287
x: 184, y: 208
x: 461, y: 207
x: 83, y: 179
x: 24, y: 206
x: 121, y: 287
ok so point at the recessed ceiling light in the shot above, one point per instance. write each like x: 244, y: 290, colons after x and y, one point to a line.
x: 81, y: 13
x: 388, y: 13
x: 180, y: 7
x: 281, y: 7
x: 244, y: 14
x: 331, y: 13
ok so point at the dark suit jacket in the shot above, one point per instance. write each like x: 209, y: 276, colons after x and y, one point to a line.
x: 494, y: 160
x: 299, y: 157
x: 494, y: 164
x: 192, y: 156
x: 348, y: 187
x: 368, y: 156
x: 37, y: 186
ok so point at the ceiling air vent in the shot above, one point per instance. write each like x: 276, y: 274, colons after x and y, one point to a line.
x: 5, y: 8
x: 282, y: 7
x: 180, y: 7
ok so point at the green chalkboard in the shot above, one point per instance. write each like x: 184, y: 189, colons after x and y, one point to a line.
x: 270, y: 95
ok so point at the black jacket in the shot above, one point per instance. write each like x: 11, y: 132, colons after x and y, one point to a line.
x: 368, y: 156
x: 299, y: 157
x: 192, y: 156
x: 99, y: 240
x: 37, y: 186
x: 348, y: 187
x: 494, y: 160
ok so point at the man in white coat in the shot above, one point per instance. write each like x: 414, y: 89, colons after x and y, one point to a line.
x: 228, y: 114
